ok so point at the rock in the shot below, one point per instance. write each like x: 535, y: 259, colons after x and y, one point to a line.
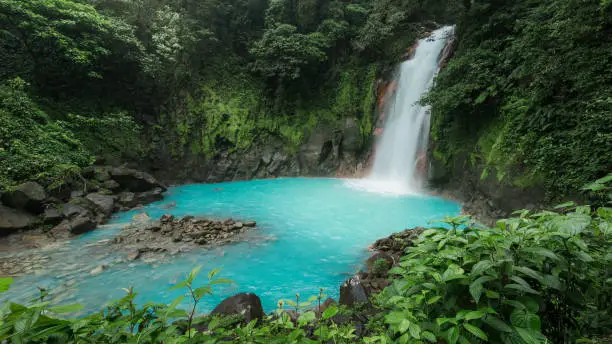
x: 111, y: 185
x: 248, y: 303
x: 127, y: 199
x: 141, y: 218
x: 77, y: 193
x: 351, y: 136
x: 133, y: 256
x: 52, y: 216
x: 98, y: 270
x: 149, y: 196
x: 12, y: 220
x: 352, y: 292
x: 29, y: 196
x: 250, y: 224
x: 72, y: 210
x: 155, y: 226
x: 373, y: 266
x: 328, y: 302
x: 238, y: 225
x: 103, y: 203
x: 77, y: 225
x: 135, y: 181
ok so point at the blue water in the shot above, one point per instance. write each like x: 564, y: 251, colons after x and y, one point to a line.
x: 312, y: 233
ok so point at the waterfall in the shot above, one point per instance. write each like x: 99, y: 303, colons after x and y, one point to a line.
x: 403, y: 145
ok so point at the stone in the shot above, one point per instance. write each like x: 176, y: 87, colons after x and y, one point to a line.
x: 98, y: 270
x: 111, y: 185
x: 141, y: 218
x: 238, y: 225
x: 351, y: 136
x: 76, y: 225
x: 133, y: 255
x: 127, y: 199
x: 52, y: 216
x: 77, y: 193
x: 72, y: 210
x: 149, y: 196
x: 389, y: 260
x: 12, y: 220
x: 29, y: 196
x: 248, y: 303
x: 250, y: 224
x: 103, y: 203
x: 135, y: 181
x: 166, y: 218
x: 352, y: 292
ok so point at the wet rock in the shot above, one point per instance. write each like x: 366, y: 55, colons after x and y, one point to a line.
x: 150, y: 196
x: 248, y: 303
x: 71, y: 210
x: 238, y: 225
x: 380, y: 262
x: 98, y: 270
x: 351, y: 138
x: 77, y: 225
x: 127, y: 199
x: 103, y: 203
x: 29, y: 196
x: 12, y: 220
x: 352, y: 292
x: 135, y: 181
x: 52, y: 216
x: 133, y: 256
x: 141, y: 218
x: 250, y: 224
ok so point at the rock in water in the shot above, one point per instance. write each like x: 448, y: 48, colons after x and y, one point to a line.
x: 28, y: 196
x: 352, y: 292
x: 12, y: 220
x: 135, y: 181
x: 141, y: 218
x: 98, y: 270
x: 250, y: 224
x: 133, y: 256
x: 77, y: 225
x: 247, y: 302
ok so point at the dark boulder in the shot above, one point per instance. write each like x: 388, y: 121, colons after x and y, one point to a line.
x: 72, y: 210
x: 351, y: 136
x: 28, y: 196
x: 248, y: 303
x: 12, y: 220
x: 352, y: 292
x: 149, y: 196
x: 77, y: 225
x: 103, y: 203
x: 379, y: 263
x: 135, y: 181
x: 111, y: 185
x: 128, y: 199
x: 52, y: 216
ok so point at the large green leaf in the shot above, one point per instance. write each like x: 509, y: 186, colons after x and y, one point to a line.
x: 497, y: 324
x: 65, y: 308
x: 5, y: 283
x: 475, y: 331
x: 481, y: 267
x: 526, y: 320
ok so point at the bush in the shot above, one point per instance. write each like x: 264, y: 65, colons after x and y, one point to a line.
x: 536, y: 277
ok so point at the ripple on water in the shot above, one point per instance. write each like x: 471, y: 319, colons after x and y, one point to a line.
x: 311, y: 233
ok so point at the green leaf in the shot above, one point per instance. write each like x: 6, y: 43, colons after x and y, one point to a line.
x: 65, y: 308
x: 584, y: 257
x: 307, y: 318
x: 5, y: 283
x: 428, y: 336
x: 491, y: 294
x: 497, y: 324
x: 330, y: 312
x: 442, y: 321
x: 452, y: 335
x: 475, y: 331
x: 201, y: 291
x: 525, y: 320
x: 179, y: 285
x: 480, y: 267
x: 521, y: 287
x: 221, y: 281
x: 433, y: 300
x: 476, y: 287
x: 543, y: 252
x: 475, y: 315
x: 212, y: 273
x: 565, y: 205
x: 415, y: 330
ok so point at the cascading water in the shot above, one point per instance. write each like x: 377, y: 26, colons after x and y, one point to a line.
x: 405, y: 136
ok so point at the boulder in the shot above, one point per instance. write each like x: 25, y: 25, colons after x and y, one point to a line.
x: 111, y: 185
x: 141, y: 218
x: 128, y: 199
x: 73, y: 210
x: 12, y: 220
x: 149, y: 196
x: 374, y: 267
x: 352, y: 292
x: 250, y: 224
x: 135, y: 181
x: 103, y: 203
x: 98, y: 270
x: 248, y: 303
x: 52, y: 216
x: 351, y: 136
x: 79, y: 224
x: 28, y: 196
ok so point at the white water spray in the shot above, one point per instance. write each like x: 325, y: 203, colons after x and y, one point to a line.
x: 405, y: 136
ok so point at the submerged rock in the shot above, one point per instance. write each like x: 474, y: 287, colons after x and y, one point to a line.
x: 248, y: 303
x: 98, y: 270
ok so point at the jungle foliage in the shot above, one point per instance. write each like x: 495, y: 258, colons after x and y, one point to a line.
x: 526, y: 98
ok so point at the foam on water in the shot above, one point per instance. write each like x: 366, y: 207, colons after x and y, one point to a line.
x: 311, y: 233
